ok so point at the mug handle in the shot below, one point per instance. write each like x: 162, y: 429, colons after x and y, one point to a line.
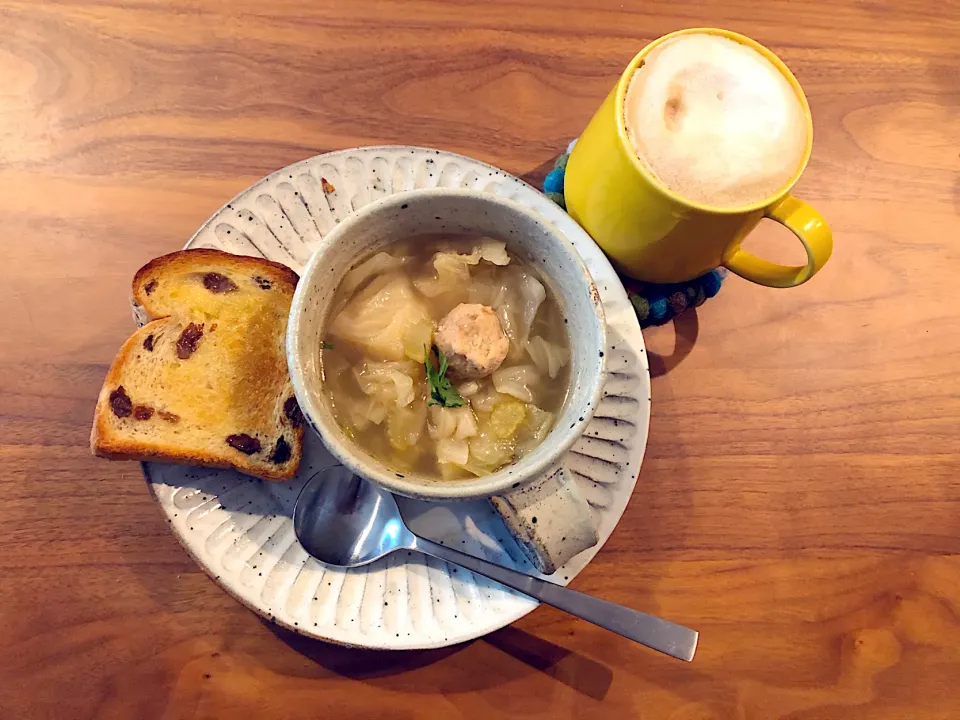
x: 549, y: 518
x: 809, y: 227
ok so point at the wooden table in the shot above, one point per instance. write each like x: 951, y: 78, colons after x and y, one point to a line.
x: 800, y: 499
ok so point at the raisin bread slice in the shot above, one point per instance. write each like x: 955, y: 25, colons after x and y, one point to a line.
x: 205, y: 380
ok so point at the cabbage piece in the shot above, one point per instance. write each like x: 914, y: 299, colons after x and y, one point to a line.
x: 452, y: 451
x: 469, y: 389
x: 443, y: 422
x: 516, y: 381
x: 466, y: 423
x: 547, y: 356
x: 451, y: 274
x: 486, y: 399
x: 533, y: 294
x: 506, y: 418
x: 490, y: 250
x: 452, y: 271
x: 364, y: 412
x: 379, y: 263
x: 458, y: 423
x: 488, y: 452
x: 372, y: 287
x: 493, y: 251
x: 445, y: 292
x: 389, y: 382
x: 449, y: 471
x: 405, y: 425
x: 451, y: 258
x: 508, y: 324
x: 404, y: 388
x: 471, y: 467
x: 380, y: 317
x: 538, y: 425
x: 516, y: 301
x: 416, y: 338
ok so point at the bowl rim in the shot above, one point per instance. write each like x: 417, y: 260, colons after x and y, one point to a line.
x: 503, y: 480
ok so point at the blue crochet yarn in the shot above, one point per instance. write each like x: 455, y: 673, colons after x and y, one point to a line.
x: 553, y: 182
x: 658, y: 308
x: 654, y: 304
x: 711, y: 283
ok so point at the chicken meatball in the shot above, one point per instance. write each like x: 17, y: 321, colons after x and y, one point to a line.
x: 471, y: 339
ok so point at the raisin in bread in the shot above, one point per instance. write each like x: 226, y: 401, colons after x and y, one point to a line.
x: 204, y: 381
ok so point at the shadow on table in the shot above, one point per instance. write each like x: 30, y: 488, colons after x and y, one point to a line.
x: 536, y: 176
x: 478, y: 671
x: 580, y: 673
x: 686, y: 328
x: 359, y: 663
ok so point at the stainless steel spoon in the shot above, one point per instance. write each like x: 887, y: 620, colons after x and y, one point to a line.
x: 344, y: 520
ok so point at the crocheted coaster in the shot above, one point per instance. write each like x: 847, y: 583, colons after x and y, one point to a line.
x: 654, y: 304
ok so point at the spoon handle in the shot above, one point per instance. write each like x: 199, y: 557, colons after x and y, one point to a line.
x: 667, y: 637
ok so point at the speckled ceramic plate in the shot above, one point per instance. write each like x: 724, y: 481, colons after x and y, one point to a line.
x: 240, y: 530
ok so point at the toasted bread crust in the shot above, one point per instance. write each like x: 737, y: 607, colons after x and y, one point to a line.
x: 189, y: 259
x: 106, y: 442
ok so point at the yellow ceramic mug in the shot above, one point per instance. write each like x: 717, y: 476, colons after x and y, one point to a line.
x: 658, y: 236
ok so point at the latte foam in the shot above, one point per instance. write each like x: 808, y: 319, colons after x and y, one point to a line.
x: 715, y: 121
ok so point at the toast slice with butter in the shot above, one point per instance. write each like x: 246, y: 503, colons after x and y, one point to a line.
x: 204, y: 381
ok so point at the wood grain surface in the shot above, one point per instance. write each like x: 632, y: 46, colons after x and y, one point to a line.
x: 800, y: 499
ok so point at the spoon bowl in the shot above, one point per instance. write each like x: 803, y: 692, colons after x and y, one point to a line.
x: 344, y: 520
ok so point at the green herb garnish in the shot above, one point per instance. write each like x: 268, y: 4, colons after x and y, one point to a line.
x: 326, y: 346
x: 442, y: 393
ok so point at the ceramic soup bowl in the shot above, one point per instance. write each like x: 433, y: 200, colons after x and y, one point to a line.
x: 533, y: 483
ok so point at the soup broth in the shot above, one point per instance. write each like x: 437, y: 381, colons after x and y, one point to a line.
x: 445, y: 356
